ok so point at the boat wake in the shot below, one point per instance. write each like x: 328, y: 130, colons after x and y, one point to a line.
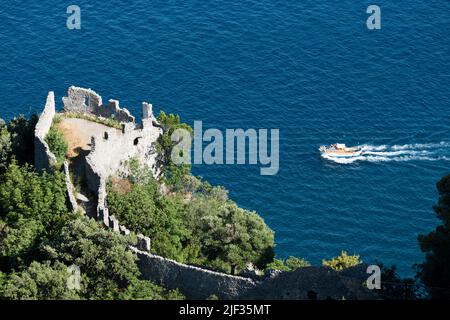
x: 406, y: 152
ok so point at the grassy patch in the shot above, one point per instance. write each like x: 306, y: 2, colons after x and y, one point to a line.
x: 109, y: 122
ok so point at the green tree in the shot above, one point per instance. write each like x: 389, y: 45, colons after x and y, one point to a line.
x: 21, y: 130
x: 145, y: 210
x: 230, y: 237
x: 26, y: 194
x: 40, y: 281
x: 18, y: 241
x: 343, y: 261
x: 145, y: 290
x: 435, y: 270
x: 57, y: 144
x: 100, y: 254
x: 109, y: 270
x: 290, y: 264
x: 32, y: 208
x: 173, y: 174
x: 277, y: 264
x: 2, y: 283
x: 294, y: 263
x: 5, y: 146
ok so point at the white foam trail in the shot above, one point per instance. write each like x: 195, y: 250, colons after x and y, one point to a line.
x: 373, y: 148
x: 406, y: 152
x: 419, y: 146
x: 396, y: 153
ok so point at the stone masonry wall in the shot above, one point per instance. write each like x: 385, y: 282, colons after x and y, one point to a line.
x: 110, y: 152
x: 43, y: 157
x: 194, y: 282
x: 81, y: 100
x: 321, y: 282
x: 112, y: 110
x: 198, y: 283
x: 69, y: 188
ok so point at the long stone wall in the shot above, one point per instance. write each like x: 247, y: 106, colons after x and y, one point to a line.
x: 43, y: 157
x: 304, y: 283
x: 315, y: 282
x: 194, y: 282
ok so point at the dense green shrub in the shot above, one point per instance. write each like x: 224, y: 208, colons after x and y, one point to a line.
x: 2, y: 283
x: 294, y: 263
x: 40, y: 281
x: 32, y: 208
x: 21, y: 130
x: 277, y: 264
x: 5, y: 146
x: 17, y: 140
x: 146, y: 290
x: 229, y: 237
x: 145, y: 210
x: 290, y: 264
x: 109, y: 270
x: 343, y: 261
x: 25, y: 194
x: 174, y: 175
x: 57, y: 144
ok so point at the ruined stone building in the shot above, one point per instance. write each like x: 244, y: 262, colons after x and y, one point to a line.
x: 98, y: 151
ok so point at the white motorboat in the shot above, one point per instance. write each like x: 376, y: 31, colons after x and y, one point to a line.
x: 340, y: 150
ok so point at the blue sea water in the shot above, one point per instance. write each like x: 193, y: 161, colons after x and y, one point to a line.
x: 309, y: 68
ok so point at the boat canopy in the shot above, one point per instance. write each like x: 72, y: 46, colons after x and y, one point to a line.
x: 340, y: 146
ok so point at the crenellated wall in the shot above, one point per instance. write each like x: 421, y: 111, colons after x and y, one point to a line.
x: 81, y: 100
x: 44, y: 159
